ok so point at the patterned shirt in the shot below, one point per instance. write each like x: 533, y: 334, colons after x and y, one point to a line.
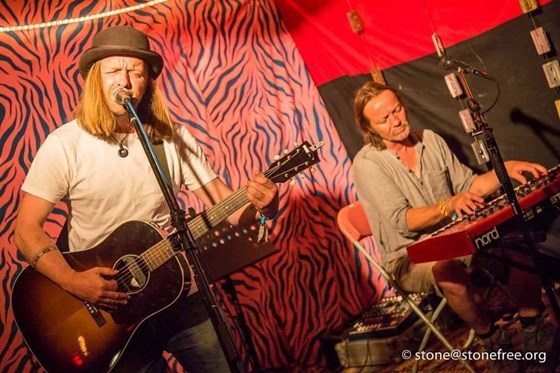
x: 387, y: 188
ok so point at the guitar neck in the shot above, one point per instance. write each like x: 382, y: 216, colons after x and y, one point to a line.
x: 280, y: 171
x: 205, y: 221
x: 199, y: 226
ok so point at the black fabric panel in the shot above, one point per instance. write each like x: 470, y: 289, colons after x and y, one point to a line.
x: 338, y: 95
x: 525, y: 121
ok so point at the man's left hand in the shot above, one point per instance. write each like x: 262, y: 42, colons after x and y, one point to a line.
x: 263, y: 194
x: 515, y: 170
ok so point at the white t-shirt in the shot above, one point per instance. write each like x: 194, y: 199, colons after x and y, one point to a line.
x: 104, y: 190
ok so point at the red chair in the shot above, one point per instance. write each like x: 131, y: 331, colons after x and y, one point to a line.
x: 353, y: 223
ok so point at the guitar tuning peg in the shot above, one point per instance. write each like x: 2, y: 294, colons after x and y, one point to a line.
x: 292, y: 182
x: 295, y: 145
x: 276, y: 157
x: 192, y: 212
x: 286, y: 151
x: 313, y: 170
x: 302, y: 175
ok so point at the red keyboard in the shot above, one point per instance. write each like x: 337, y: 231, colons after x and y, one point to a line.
x: 490, y: 224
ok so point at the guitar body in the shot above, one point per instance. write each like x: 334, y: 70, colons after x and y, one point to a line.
x: 67, y: 334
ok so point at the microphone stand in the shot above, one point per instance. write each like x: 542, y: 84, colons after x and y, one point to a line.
x: 483, y: 129
x: 188, y: 244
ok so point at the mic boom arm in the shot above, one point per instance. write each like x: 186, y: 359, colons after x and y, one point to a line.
x: 449, y: 63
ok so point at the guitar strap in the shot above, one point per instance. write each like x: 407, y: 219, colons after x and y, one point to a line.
x: 160, y: 153
x: 62, y: 240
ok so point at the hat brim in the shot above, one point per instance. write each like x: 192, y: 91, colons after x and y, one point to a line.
x: 92, y: 55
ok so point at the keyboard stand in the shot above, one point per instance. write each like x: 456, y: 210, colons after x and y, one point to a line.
x: 482, y: 131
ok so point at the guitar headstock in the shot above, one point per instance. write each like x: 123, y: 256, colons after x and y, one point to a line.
x: 294, y: 162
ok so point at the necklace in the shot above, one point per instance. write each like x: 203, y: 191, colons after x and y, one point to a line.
x: 123, y: 152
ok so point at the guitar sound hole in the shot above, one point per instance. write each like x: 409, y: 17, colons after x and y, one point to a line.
x: 133, y: 273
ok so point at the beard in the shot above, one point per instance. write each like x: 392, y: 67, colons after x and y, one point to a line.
x: 402, y: 134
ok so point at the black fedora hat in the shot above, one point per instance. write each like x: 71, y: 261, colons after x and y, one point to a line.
x: 121, y: 41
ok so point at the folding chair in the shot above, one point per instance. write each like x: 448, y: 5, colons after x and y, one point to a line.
x: 353, y: 223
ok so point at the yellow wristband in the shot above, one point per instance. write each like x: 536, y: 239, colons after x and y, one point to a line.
x: 444, y: 207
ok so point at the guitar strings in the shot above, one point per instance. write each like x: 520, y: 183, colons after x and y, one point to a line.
x: 198, y: 222
x: 150, y: 256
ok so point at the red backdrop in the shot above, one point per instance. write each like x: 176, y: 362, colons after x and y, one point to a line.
x: 395, y: 32
x: 243, y: 80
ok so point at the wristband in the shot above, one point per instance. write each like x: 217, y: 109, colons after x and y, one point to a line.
x: 444, y: 208
x: 40, y: 254
x: 263, y: 232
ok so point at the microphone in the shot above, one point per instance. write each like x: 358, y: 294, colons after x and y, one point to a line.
x: 122, y: 96
x: 449, y: 63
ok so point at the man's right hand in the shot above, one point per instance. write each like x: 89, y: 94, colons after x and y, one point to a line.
x: 465, y: 203
x: 96, y: 285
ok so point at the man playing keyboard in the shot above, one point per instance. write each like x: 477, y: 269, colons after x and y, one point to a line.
x: 410, y: 184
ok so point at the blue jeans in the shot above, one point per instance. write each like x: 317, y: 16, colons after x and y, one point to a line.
x: 196, y: 347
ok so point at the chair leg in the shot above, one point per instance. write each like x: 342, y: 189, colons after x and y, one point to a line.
x: 410, y: 302
x: 434, y: 330
x: 435, y: 315
x: 428, y: 332
x: 469, y: 341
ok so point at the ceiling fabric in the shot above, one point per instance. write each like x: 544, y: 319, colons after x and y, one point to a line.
x: 394, y: 32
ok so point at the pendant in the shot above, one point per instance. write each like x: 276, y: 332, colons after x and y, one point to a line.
x: 123, y: 152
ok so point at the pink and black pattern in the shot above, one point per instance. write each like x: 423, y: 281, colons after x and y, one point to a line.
x: 234, y: 77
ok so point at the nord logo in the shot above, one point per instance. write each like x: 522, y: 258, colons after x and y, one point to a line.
x: 487, y: 238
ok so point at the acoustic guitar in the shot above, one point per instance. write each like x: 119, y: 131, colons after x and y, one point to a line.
x: 67, y: 334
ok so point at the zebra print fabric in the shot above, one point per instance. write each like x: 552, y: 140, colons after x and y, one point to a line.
x: 233, y: 76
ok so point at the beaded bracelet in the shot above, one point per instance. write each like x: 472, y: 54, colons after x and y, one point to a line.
x: 263, y: 232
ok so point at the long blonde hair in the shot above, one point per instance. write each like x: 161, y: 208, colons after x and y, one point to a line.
x: 94, y: 116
